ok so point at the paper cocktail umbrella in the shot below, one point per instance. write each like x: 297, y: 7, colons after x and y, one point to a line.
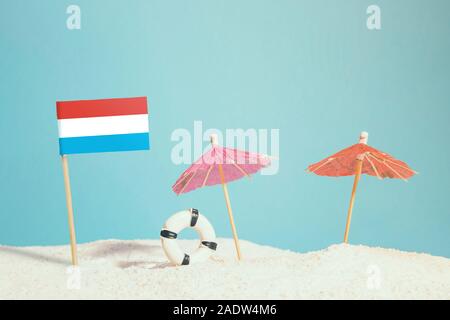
x: 361, y: 159
x: 220, y: 165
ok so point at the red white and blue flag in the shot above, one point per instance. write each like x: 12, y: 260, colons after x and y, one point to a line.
x: 106, y: 125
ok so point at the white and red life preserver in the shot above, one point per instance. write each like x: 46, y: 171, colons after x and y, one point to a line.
x: 190, y: 218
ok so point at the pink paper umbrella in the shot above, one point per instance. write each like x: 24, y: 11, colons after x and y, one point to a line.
x: 218, y: 166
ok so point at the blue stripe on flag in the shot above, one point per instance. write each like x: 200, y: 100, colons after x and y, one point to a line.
x: 109, y: 143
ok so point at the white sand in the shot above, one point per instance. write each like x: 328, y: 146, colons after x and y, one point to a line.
x: 116, y: 269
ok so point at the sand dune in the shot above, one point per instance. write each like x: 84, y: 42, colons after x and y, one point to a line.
x: 116, y: 269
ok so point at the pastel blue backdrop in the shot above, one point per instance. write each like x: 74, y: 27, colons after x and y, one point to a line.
x: 310, y: 68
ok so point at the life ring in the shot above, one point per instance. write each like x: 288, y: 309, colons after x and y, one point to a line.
x: 185, y: 219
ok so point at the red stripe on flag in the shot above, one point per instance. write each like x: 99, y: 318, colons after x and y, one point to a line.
x: 101, y: 107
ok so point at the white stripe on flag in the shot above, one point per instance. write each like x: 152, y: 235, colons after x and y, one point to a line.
x: 99, y: 126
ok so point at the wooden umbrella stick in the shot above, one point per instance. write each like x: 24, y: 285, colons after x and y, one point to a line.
x: 358, y: 170
x: 73, y: 241
x: 230, y: 212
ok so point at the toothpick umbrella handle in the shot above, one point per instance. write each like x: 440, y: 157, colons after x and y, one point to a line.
x: 364, y: 136
x: 215, y: 142
x: 352, y: 199
x: 230, y: 213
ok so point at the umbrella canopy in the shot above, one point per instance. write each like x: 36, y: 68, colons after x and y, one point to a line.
x: 220, y: 165
x: 361, y: 159
x: 205, y: 171
x: 374, y: 163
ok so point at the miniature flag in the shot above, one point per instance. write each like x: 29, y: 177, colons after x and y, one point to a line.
x: 106, y: 125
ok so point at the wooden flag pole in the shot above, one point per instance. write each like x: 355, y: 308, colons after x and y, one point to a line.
x: 230, y: 211
x: 73, y: 241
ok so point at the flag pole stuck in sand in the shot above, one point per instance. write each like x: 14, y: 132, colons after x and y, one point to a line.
x: 102, y: 125
x: 73, y: 239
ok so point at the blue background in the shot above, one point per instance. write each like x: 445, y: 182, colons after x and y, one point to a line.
x: 310, y: 68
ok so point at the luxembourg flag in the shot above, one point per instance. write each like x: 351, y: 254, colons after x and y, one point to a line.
x: 106, y: 125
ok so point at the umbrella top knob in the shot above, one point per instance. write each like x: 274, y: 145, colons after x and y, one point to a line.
x: 214, y: 139
x: 363, y: 137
